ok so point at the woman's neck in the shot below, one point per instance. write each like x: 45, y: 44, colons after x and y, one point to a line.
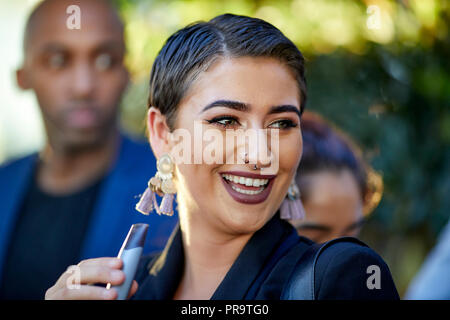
x: 209, y: 255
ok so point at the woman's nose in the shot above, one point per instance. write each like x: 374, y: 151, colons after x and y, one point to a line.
x: 261, y: 149
x: 258, y: 147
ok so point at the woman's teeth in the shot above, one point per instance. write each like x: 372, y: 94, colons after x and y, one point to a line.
x: 247, y: 191
x: 249, y: 182
x: 246, y: 181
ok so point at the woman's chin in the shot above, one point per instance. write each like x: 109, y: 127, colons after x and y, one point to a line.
x: 245, y: 220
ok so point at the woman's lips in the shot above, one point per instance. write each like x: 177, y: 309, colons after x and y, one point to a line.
x: 246, y: 187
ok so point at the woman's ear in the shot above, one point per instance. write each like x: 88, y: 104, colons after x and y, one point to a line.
x: 158, y: 132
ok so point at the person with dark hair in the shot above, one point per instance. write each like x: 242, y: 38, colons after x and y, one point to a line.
x: 231, y: 75
x: 73, y: 199
x: 337, y: 187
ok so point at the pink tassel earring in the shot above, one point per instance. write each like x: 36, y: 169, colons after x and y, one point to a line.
x: 292, y: 206
x: 146, y: 203
x: 161, y: 183
x: 167, y: 205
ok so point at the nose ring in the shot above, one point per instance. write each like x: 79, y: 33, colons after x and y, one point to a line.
x: 246, y: 161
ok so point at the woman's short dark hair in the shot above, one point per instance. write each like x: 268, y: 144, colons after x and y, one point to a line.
x: 326, y: 148
x: 191, y: 50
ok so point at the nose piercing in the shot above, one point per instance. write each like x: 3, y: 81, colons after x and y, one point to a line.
x: 246, y: 158
x: 246, y: 161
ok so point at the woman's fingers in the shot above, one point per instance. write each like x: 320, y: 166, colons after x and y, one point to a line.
x: 86, y: 292
x: 114, y: 263
x: 83, y: 292
x: 74, y: 273
x: 104, y: 275
x: 72, y: 284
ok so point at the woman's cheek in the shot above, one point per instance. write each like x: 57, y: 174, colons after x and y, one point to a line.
x: 289, y: 156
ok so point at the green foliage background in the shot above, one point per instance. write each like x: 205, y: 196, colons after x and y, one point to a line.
x: 388, y: 88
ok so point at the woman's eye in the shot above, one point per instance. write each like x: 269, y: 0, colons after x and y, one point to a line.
x: 283, y: 124
x: 224, y: 121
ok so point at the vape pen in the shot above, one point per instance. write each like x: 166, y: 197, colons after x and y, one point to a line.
x: 130, y: 253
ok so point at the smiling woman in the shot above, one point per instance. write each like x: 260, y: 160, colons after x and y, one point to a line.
x: 231, y: 73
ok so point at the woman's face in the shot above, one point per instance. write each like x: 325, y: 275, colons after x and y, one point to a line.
x: 333, y: 206
x: 239, y: 93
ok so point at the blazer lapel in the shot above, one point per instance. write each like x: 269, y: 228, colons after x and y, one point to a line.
x: 14, y: 182
x: 166, y: 270
x: 251, y: 261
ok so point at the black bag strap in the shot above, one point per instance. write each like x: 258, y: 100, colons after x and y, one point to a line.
x: 301, y: 283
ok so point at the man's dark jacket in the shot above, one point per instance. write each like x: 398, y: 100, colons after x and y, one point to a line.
x: 113, y: 213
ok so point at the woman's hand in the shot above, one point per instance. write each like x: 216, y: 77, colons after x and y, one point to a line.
x: 76, y: 282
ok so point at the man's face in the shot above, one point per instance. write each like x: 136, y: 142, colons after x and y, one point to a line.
x: 77, y: 75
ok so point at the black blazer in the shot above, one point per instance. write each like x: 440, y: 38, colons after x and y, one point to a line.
x: 340, y: 273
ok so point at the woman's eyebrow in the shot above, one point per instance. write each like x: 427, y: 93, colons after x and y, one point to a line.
x: 236, y: 105
x: 285, y: 108
x: 241, y: 106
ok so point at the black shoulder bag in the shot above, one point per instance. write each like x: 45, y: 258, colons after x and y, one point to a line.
x: 301, y: 283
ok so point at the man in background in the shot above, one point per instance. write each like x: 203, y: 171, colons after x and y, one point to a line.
x: 75, y: 198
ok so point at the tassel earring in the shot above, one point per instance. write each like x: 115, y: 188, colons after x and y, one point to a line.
x: 161, y: 183
x: 147, y: 202
x: 292, y: 206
